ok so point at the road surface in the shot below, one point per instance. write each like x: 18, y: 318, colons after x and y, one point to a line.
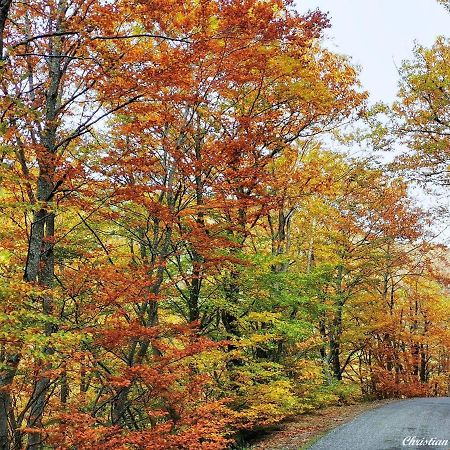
x: 418, y: 423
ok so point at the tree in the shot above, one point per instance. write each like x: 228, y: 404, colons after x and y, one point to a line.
x: 422, y: 112
x: 48, y: 77
x: 63, y: 60
x: 176, y: 246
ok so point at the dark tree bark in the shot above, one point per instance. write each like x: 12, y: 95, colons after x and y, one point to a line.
x: 336, y: 329
x: 10, y: 361
x: 5, y: 6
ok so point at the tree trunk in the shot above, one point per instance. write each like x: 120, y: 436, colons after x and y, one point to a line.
x: 45, y: 279
x: 4, y: 10
x: 336, y: 329
x: 6, y: 378
x: 423, y: 364
x: 195, y: 287
x: 41, y: 256
x: 335, y: 352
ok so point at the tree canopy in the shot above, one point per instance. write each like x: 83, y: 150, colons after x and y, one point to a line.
x: 184, y: 255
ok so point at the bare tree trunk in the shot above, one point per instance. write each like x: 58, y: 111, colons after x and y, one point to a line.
x: 5, y: 5
x: 39, y: 268
x: 10, y: 361
x: 335, y: 345
x: 45, y: 279
x: 41, y: 264
x: 336, y: 329
x: 195, y: 287
x: 6, y: 378
x: 197, y: 258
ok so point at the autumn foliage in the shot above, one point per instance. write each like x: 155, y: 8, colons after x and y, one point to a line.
x: 182, y: 259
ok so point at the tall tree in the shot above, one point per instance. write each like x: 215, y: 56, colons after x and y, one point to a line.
x: 422, y: 110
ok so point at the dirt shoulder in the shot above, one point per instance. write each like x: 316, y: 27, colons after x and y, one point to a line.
x: 300, y: 431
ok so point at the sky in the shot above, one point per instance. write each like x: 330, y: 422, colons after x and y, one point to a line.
x: 379, y: 34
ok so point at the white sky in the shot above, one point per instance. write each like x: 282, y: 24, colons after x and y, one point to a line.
x: 379, y: 34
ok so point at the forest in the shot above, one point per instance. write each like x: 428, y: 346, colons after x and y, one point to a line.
x: 188, y: 250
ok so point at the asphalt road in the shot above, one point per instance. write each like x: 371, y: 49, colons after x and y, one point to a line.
x: 406, y: 424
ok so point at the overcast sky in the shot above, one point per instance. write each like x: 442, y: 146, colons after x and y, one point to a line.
x: 379, y: 34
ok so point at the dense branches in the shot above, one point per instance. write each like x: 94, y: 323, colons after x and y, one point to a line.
x: 180, y: 259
